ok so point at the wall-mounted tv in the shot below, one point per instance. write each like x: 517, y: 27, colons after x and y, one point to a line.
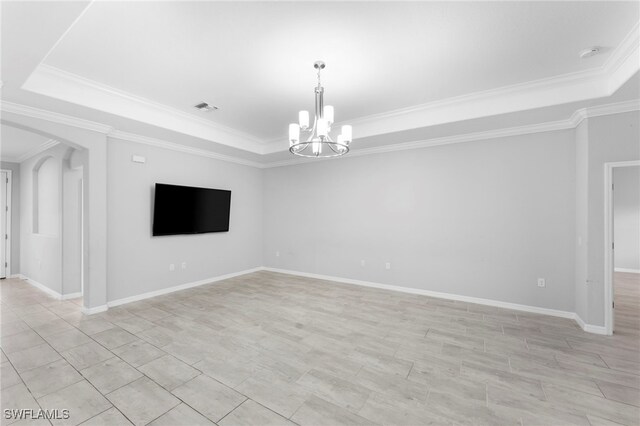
x: 190, y: 210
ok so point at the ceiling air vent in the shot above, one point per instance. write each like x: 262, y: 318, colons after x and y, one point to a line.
x: 203, y: 106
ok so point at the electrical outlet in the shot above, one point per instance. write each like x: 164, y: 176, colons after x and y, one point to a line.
x: 184, y: 265
x: 387, y: 265
x: 363, y: 263
x: 172, y: 267
x: 542, y: 282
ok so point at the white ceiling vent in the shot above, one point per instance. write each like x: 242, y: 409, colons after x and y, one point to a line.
x: 203, y: 106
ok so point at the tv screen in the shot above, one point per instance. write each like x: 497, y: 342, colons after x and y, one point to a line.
x: 189, y: 210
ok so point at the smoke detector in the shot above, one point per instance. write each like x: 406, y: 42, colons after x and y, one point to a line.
x: 203, y: 106
x: 587, y: 53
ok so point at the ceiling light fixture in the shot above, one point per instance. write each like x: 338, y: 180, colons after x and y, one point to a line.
x: 318, y: 143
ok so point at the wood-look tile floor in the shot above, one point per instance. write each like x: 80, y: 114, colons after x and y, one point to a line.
x: 271, y: 349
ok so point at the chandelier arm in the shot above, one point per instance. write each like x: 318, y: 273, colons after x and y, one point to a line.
x: 332, y: 148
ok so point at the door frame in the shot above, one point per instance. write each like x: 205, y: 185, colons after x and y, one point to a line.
x: 7, y: 252
x: 608, y: 241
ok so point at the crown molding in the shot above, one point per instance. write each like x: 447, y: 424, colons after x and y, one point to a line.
x: 54, y: 117
x: 607, y: 109
x: 570, y: 123
x: 568, y: 88
x: 593, y: 83
x: 37, y: 150
x: 624, y: 61
x: 131, y: 137
x: 60, y: 84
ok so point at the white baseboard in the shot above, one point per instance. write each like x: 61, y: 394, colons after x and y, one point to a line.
x: 179, y: 287
x: 94, y: 310
x: 71, y: 296
x: 42, y: 287
x: 589, y: 328
x: 631, y: 271
x: 46, y: 289
x: 489, y: 302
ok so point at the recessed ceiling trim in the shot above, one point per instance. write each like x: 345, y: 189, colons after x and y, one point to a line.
x: 599, y: 82
x: 573, y: 87
x: 60, y: 84
x: 145, y: 140
x: 623, y: 61
x: 576, y: 118
x: 54, y: 117
x: 520, y: 97
x: 569, y: 123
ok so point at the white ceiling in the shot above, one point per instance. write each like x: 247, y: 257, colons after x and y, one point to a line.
x: 16, y: 144
x: 255, y: 60
x: 391, y: 67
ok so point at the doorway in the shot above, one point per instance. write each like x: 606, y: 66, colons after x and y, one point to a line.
x: 5, y: 223
x: 622, y: 248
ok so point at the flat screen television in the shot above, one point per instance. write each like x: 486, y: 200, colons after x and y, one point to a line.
x: 190, y: 210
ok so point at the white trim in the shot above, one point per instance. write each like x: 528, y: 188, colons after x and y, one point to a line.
x: 94, y: 310
x: 589, y: 328
x: 179, y: 287
x: 60, y: 84
x: 439, y: 295
x: 570, y: 123
x: 37, y: 150
x: 9, y: 223
x: 577, y: 86
x: 42, y: 287
x: 623, y: 61
x: 608, y: 241
x: 71, y: 296
x: 54, y: 117
x: 46, y: 289
x: 627, y: 270
x: 576, y: 118
x: 593, y: 83
x: 131, y: 137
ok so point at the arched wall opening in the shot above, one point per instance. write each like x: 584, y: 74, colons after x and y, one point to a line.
x: 86, y: 157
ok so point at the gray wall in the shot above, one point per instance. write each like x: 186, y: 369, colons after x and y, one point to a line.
x: 139, y: 263
x: 626, y: 217
x: 482, y: 219
x: 15, y: 214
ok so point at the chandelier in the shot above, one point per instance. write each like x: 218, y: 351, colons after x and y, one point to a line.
x: 316, y: 140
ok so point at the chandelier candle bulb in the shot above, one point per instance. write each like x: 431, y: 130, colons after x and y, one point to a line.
x: 294, y: 133
x: 328, y: 114
x: 347, y: 133
x: 322, y: 127
x: 303, y: 119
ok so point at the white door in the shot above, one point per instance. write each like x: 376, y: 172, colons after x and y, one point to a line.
x: 3, y: 225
